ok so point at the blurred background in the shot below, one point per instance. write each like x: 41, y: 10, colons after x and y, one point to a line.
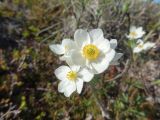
x: 28, y: 87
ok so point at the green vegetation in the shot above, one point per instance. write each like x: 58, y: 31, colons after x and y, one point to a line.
x: 28, y: 86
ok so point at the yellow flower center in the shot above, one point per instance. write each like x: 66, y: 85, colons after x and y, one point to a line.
x: 134, y: 34
x: 90, y: 52
x: 72, y: 75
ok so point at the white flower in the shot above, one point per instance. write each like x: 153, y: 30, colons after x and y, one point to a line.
x: 63, y: 49
x: 143, y: 46
x: 135, y: 33
x: 93, y: 50
x: 72, y: 78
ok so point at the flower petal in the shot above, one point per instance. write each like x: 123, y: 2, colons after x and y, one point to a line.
x: 132, y: 28
x: 75, y: 67
x: 104, y: 45
x: 86, y: 75
x: 68, y: 44
x: 102, y: 65
x: 81, y: 37
x: 57, y: 49
x: 96, y: 35
x: 79, y: 85
x: 137, y: 50
x: 113, y: 43
x: 67, y: 59
x: 117, y: 56
x: 61, y: 72
x: 77, y: 58
x: 148, y: 45
x: 70, y: 89
x: 110, y: 55
x: 62, y: 85
x: 114, y: 63
x: 140, y: 31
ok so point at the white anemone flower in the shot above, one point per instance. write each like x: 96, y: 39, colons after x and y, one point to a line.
x: 63, y: 49
x: 93, y: 50
x: 143, y: 46
x: 135, y: 33
x: 72, y: 79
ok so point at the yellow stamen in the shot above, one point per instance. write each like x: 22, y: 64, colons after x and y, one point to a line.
x: 90, y: 52
x: 134, y: 34
x: 72, y: 75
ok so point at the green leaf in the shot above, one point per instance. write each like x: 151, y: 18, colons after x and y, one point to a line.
x: 157, y: 82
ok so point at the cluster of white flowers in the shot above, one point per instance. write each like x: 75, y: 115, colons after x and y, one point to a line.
x: 136, y: 34
x: 88, y: 54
